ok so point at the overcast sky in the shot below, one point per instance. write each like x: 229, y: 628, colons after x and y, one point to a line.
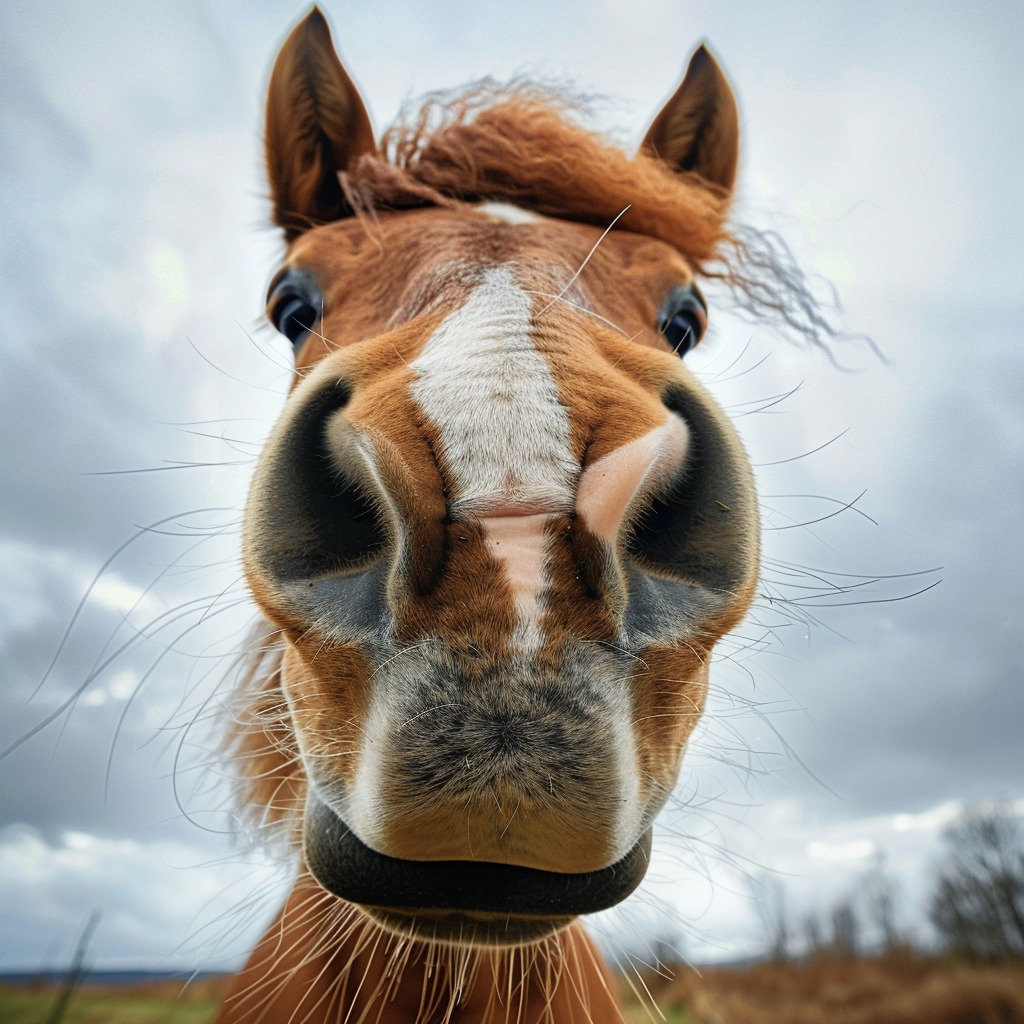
x: 882, y: 140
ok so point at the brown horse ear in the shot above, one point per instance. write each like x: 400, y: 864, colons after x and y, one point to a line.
x: 698, y: 129
x: 316, y: 126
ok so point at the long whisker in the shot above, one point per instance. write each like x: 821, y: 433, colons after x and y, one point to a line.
x: 572, y: 280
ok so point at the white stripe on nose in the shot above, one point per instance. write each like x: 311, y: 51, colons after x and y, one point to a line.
x: 504, y: 433
x: 519, y: 542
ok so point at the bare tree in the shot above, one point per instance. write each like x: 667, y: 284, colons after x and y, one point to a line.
x: 879, y: 896
x: 845, y: 938
x: 813, y: 934
x: 770, y: 893
x: 978, y: 903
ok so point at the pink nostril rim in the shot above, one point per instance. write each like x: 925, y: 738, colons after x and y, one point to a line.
x: 609, y: 487
x: 511, y: 510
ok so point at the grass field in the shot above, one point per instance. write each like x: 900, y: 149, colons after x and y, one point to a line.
x: 903, y: 989
x: 158, y: 1002
x: 891, y: 990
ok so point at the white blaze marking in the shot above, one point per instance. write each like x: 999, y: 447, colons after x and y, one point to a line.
x: 505, y: 435
x: 504, y: 431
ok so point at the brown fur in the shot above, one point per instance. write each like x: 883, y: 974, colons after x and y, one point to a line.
x: 321, y: 962
x: 616, y: 380
x: 270, y: 788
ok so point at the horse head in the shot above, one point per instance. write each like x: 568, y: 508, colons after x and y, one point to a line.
x: 499, y: 526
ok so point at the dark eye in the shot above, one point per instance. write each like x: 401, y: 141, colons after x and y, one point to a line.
x: 294, y: 305
x: 294, y: 318
x: 683, y: 318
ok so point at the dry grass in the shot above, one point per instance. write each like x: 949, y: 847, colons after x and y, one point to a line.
x: 893, y: 990
x: 151, y: 1002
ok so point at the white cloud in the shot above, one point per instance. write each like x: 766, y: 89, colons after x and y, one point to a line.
x: 937, y: 817
x: 113, y: 592
x: 856, y: 849
x: 163, y: 903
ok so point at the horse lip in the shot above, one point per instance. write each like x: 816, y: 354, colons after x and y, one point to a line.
x: 344, y: 865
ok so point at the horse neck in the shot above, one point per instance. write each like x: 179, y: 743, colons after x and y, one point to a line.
x: 322, y: 962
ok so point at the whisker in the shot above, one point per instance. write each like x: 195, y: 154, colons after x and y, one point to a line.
x: 572, y: 280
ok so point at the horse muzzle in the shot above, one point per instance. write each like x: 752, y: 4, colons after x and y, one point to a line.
x: 474, y: 902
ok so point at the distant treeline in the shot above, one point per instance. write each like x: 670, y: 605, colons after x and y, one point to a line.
x: 976, y: 905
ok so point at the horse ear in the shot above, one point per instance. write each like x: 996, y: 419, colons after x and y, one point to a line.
x: 698, y: 129
x: 316, y: 126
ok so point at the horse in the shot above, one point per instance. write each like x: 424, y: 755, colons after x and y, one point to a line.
x: 495, y: 535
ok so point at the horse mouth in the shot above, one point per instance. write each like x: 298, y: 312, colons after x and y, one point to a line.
x: 461, y: 902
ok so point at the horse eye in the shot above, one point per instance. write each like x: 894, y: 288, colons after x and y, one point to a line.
x: 294, y: 317
x: 683, y: 318
x: 294, y: 304
x: 682, y: 332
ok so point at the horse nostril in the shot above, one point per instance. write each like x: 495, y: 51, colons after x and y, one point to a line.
x: 610, y: 488
x: 700, y: 528
x: 327, y: 523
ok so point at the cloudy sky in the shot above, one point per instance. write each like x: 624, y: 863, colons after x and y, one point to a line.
x: 882, y: 140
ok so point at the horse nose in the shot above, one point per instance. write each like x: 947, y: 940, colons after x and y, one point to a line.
x: 306, y: 516
x: 334, y: 507
x: 353, y: 514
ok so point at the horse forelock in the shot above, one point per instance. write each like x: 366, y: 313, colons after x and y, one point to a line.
x: 519, y: 145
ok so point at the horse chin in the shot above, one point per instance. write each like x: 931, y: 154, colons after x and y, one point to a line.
x: 462, y: 929
x: 465, y: 903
